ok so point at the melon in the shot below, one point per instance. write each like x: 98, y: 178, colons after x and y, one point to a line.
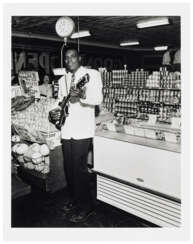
x: 46, y: 169
x: 15, y: 138
x: 35, y: 147
x: 22, y: 148
x: 39, y: 167
x: 20, y: 159
x: 14, y: 148
x: 30, y: 165
x: 36, y: 158
x: 44, y: 150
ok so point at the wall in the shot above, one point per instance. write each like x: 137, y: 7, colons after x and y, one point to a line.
x: 30, y: 54
x: 43, y: 56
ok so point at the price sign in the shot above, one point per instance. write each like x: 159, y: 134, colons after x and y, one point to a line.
x: 152, y: 119
x: 176, y: 123
x: 16, y: 91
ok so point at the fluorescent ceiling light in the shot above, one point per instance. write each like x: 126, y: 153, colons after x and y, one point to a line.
x: 129, y: 43
x: 161, y: 48
x: 80, y: 34
x: 153, y: 22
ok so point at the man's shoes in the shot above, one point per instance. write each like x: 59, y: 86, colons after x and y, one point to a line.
x: 80, y: 215
x: 69, y: 206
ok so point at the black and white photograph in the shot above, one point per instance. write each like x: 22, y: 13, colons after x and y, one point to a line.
x: 97, y: 119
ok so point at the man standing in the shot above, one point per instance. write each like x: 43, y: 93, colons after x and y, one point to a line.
x: 77, y: 133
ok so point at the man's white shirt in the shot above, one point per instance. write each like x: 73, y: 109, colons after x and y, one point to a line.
x: 80, y: 123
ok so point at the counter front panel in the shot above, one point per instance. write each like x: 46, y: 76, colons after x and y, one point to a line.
x: 152, y: 168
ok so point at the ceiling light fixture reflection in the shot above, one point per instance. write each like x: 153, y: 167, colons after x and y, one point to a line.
x: 160, y: 48
x: 153, y: 22
x: 129, y: 43
x: 80, y: 34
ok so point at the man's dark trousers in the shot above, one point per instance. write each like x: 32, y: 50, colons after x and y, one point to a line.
x: 76, y: 170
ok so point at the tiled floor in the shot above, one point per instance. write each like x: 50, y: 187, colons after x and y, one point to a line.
x: 38, y: 209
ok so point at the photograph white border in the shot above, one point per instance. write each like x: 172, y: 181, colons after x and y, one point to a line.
x: 98, y: 234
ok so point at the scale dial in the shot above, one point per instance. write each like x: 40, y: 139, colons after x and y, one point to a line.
x: 64, y: 26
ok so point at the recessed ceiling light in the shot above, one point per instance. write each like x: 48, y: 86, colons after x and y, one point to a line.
x: 80, y: 34
x: 129, y: 43
x: 161, y: 48
x: 153, y: 22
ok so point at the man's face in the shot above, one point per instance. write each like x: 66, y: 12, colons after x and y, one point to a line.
x: 72, y: 60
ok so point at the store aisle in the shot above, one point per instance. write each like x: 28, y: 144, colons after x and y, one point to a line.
x: 39, y: 209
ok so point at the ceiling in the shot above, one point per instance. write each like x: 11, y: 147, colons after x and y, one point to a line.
x: 107, y: 31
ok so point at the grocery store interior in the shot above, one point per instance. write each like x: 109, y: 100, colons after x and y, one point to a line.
x: 134, y: 160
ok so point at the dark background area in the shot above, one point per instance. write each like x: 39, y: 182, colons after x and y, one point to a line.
x: 36, y: 45
x: 44, y: 55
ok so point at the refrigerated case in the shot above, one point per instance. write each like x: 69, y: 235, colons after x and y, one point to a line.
x: 139, y: 175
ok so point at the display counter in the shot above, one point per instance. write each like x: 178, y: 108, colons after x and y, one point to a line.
x: 139, y: 175
x: 163, y: 145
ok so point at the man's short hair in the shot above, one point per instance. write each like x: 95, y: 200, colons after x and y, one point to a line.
x: 74, y: 49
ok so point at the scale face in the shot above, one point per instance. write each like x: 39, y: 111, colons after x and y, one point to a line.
x: 64, y: 26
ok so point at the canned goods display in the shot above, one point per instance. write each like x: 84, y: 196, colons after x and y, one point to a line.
x: 139, y: 93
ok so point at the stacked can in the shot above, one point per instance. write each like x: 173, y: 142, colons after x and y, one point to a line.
x: 168, y: 79
x: 170, y: 97
x: 119, y: 77
x: 153, y: 80
x: 137, y: 78
x: 148, y: 108
x: 126, y: 108
x: 105, y: 76
x: 132, y: 94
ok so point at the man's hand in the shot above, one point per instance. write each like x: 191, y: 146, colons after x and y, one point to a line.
x: 54, y: 115
x: 76, y: 94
